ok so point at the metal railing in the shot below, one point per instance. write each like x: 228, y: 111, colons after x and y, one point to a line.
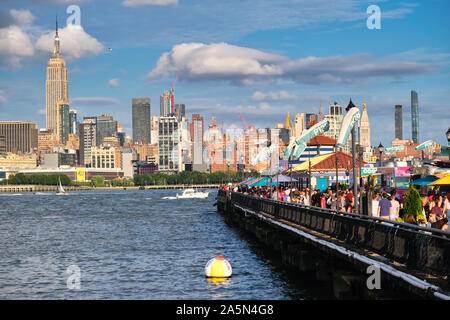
x: 420, y: 248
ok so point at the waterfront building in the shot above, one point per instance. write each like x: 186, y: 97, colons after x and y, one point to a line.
x: 63, y: 122
x: 13, y: 160
x: 19, y: 136
x: 299, y: 124
x: 106, y: 126
x: 141, y: 120
x: 60, y: 157
x: 56, y: 85
x: 415, y: 116
x: 87, y: 139
x: 128, y: 159
x: 103, y: 156
x: 398, y: 122
x: 169, y: 145
x: 165, y: 104
x: 73, y: 123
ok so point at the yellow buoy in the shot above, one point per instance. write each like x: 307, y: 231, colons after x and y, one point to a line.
x: 218, y: 267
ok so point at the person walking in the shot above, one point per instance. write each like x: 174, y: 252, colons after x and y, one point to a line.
x: 395, y: 208
x: 385, y: 207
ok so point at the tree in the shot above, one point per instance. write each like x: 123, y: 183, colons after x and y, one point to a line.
x: 99, y: 181
x: 413, y: 204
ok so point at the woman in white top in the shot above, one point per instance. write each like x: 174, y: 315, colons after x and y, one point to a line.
x: 375, y: 204
x: 395, y: 208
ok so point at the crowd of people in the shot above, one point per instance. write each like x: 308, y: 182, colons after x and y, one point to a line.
x: 435, y: 208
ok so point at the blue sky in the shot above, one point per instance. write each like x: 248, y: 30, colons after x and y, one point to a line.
x: 260, y: 58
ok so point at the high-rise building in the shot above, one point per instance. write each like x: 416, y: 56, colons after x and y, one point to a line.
x: 73, y: 124
x: 180, y: 111
x: 398, y: 122
x: 106, y: 127
x: 103, y: 157
x: 169, y: 145
x: 57, y: 84
x: 87, y: 139
x: 299, y: 124
x: 141, y: 120
x: 415, y: 116
x: 165, y: 104
x: 310, y: 117
x: 19, y: 136
x: 335, y: 118
x: 2, y: 145
x: 197, y: 137
x: 63, y: 123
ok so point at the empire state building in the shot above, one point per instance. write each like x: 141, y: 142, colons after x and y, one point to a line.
x: 56, y: 85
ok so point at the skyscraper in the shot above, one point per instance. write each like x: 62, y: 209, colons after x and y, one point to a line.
x: 106, y: 127
x: 415, y: 116
x: 73, y: 122
x: 141, y: 120
x: 398, y: 122
x: 63, y: 123
x: 57, y: 84
x: 169, y: 145
x: 87, y: 139
x: 310, y: 117
x: 165, y: 104
x: 197, y: 138
x: 180, y: 111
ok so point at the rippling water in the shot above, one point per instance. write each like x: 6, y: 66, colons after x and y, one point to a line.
x: 130, y: 245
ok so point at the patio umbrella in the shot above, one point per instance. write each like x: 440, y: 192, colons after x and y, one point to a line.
x: 424, y: 181
x: 445, y: 181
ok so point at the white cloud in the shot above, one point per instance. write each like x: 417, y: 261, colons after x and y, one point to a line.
x: 22, y: 17
x: 218, y: 60
x: 2, y: 98
x: 273, y: 96
x: 15, y: 44
x: 42, y: 112
x: 138, y: 3
x: 114, y: 82
x: 75, y: 43
x: 245, y: 66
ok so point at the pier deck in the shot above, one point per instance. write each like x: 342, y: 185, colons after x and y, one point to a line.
x: 339, y: 247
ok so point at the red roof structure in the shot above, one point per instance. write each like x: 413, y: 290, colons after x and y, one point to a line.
x: 344, y: 162
x: 322, y: 141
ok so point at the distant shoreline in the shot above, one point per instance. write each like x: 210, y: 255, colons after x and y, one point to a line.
x: 49, y: 188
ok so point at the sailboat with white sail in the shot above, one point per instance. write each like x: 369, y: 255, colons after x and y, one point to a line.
x: 61, y: 191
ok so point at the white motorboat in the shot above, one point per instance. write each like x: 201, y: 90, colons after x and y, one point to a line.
x: 190, y: 194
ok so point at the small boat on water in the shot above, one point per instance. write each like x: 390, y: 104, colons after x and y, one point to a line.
x: 190, y: 194
x: 61, y: 191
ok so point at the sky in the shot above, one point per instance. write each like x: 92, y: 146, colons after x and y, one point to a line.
x: 260, y: 58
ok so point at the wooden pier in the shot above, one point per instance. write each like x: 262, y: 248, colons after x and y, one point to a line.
x: 347, y: 251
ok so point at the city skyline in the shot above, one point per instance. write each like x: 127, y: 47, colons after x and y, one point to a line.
x: 263, y: 95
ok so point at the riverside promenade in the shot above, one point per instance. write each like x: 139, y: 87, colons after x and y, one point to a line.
x: 42, y: 188
x: 360, y: 257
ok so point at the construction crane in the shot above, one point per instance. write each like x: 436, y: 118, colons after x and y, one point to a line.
x: 245, y: 124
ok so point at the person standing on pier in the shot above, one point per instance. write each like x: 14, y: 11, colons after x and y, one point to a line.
x: 395, y: 207
x: 385, y: 207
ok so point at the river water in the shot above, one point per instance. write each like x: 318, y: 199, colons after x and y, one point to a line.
x: 131, y: 245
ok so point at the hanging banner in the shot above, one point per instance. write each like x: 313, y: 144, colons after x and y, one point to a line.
x: 424, y: 145
x: 394, y: 149
x: 368, y: 171
x: 264, y: 154
x: 352, y: 116
x: 300, y: 143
